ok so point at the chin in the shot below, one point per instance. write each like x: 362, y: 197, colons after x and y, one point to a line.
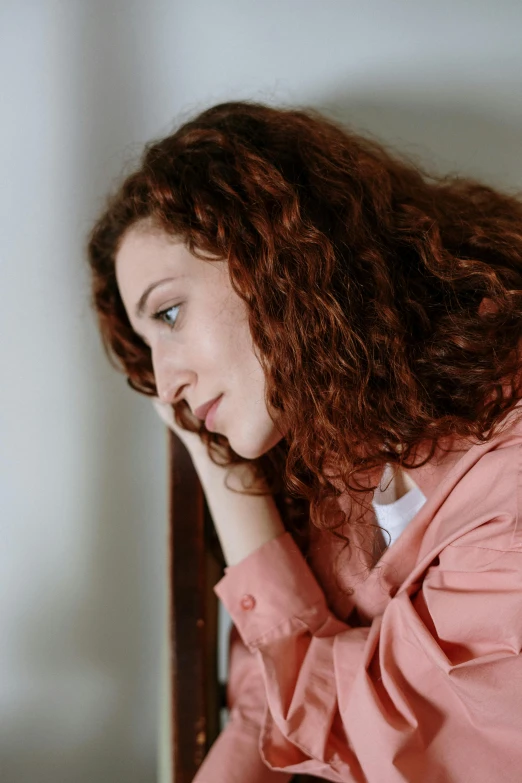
x: 255, y: 447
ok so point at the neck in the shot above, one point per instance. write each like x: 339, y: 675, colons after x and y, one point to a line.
x: 394, y: 484
x: 428, y: 476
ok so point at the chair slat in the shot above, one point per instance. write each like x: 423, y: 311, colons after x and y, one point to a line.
x: 192, y: 618
x: 195, y: 565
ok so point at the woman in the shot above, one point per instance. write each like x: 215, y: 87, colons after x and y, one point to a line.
x: 336, y: 332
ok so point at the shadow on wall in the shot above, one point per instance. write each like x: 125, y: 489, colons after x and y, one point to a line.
x: 89, y: 681
x: 81, y: 703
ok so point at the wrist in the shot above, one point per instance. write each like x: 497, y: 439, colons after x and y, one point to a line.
x: 243, y: 522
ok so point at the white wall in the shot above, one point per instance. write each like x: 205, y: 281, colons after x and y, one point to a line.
x: 82, y: 458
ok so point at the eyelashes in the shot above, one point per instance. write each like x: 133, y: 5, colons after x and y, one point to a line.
x: 164, y: 316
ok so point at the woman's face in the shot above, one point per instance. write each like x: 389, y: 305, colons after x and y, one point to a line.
x: 196, y: 326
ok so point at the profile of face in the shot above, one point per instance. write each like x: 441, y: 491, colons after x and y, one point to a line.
x: 196, y: 327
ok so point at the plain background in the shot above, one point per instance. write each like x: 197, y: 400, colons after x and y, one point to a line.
x: 84, y: 84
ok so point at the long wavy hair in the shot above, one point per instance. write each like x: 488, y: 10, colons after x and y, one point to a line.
x: 363, y: 275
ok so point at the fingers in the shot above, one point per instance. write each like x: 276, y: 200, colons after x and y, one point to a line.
x: 165, y: 412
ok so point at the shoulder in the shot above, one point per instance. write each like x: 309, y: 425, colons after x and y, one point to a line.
x: 485, y: 502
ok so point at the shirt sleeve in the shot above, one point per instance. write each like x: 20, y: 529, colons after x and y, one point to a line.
x: 431, y: 691
x: 235, y: 757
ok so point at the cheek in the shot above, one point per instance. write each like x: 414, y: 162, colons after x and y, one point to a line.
x: 231, y: 342
x: 225, y: 343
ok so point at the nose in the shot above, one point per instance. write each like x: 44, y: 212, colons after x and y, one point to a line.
x: 171, y: 377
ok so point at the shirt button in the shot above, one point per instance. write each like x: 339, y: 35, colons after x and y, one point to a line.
x: 248, y: 602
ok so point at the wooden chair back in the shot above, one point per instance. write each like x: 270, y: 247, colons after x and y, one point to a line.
x: 195, y: 565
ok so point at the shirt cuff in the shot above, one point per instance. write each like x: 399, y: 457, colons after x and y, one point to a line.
x: 267, y: 591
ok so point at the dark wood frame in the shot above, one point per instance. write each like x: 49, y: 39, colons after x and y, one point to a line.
x: 194, y: 568
x: 195, y: 565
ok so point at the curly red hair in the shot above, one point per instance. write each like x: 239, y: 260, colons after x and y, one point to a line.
x: 363, y: 275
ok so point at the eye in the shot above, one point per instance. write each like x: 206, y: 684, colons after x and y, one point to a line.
x: 168, y: 316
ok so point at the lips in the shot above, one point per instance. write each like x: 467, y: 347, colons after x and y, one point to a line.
x: 201, y: 412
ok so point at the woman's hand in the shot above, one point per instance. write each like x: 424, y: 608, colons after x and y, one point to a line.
x: 191, y: 440
x: 243, y: 522
x: 240, y: 474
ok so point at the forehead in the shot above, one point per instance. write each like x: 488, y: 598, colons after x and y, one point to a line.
x: 147, y: 255
x: 144, y: 252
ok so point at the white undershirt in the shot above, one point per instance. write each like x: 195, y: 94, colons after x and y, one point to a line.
x: 396, y: 515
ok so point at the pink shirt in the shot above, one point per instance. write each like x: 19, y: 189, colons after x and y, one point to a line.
x: 416, y: 676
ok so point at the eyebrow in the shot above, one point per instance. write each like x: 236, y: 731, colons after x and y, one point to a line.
x: 140, y: 307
